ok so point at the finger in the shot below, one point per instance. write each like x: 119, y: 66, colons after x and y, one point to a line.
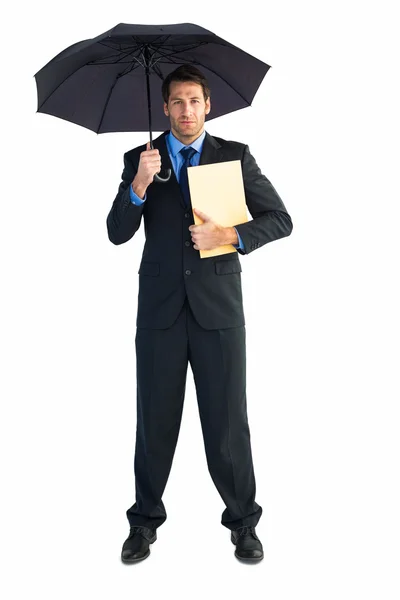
x: 149, y: 151
x: 152, y: 164
x: 200, y: 214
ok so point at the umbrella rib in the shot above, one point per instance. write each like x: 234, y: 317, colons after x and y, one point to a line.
x: 106, y: 103
x: 119, y: 75
x: 227, y: 82
x: 138, y: 41
x: 93, y: 63
x: 122, y: 53
x: 168, y: 58
x: 203, y: 65
x: 56, y: 88
x: 158, y: 72
x: 175, y: 52
x: 132, y: 63
x: 111, y: 56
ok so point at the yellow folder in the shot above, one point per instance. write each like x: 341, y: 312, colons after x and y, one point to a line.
x: 218, y: 191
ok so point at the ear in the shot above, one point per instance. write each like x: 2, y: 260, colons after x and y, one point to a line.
x: 208, y: 106
x: 166, y: 111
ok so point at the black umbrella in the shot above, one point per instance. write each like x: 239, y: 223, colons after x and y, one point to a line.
x: 106, y: 83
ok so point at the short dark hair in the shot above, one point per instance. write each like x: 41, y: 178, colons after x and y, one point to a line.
x: 185, y: 73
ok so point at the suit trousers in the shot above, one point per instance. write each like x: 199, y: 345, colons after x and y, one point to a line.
x: 218, y: 362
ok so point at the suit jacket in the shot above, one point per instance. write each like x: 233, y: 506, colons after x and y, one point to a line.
x: 171, y: 268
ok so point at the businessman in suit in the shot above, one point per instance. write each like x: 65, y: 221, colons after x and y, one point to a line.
x: 190, y: 310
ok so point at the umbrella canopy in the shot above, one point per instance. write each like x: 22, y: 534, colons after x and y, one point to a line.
x: 107, y: 83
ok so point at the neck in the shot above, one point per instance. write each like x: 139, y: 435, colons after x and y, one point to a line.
x: 186, y: 139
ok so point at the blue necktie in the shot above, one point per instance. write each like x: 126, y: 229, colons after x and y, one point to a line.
x: 187, y: 154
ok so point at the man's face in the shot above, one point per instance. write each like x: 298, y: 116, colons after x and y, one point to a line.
x: 186, y: 110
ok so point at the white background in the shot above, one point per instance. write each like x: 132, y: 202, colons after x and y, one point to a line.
x: 321, y: 318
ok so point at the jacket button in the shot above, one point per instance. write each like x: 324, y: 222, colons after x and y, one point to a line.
x: 187, y: 243
x: 186, y: 215
x: 187, y: 272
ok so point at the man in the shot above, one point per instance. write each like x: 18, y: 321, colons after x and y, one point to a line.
x: 190, y: 311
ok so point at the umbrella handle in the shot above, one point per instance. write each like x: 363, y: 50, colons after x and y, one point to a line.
x: 162, y: 179
x: 156, y: 176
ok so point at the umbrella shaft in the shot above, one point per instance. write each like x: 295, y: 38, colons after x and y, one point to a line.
x: 147, y: 57
x: 149, y: 103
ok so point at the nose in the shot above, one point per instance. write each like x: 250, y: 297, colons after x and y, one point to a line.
x: 187, y: 109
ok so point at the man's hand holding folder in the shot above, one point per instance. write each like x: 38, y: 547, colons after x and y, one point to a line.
x: 210, y: 235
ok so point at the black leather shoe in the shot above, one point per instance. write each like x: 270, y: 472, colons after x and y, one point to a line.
x: 248, y: 545
x: 136, y: 546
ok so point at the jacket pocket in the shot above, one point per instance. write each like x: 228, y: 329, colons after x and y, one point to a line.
x: 226, y: 267
x: 149, y: 268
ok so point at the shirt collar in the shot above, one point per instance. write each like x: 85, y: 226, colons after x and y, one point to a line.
x: 175, y: 146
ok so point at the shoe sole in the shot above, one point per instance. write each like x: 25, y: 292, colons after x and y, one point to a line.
x: 249, y: 560
x: 135, y: 560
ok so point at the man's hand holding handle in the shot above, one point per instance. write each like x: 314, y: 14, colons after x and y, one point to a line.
x: 149, y: 165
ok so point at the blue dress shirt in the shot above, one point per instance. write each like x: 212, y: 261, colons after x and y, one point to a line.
x: 174, y: 147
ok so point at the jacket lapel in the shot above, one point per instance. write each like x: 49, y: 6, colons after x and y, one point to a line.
x: 211, y: 152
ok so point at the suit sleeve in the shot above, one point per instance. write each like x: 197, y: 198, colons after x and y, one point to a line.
x: 124, y: 218
x: 271, y: 220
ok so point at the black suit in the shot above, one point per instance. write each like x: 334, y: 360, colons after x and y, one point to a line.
x: 190, y: 310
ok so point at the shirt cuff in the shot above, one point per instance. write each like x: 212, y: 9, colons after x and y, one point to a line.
x: 135, y: 198
x: 241, y: 245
